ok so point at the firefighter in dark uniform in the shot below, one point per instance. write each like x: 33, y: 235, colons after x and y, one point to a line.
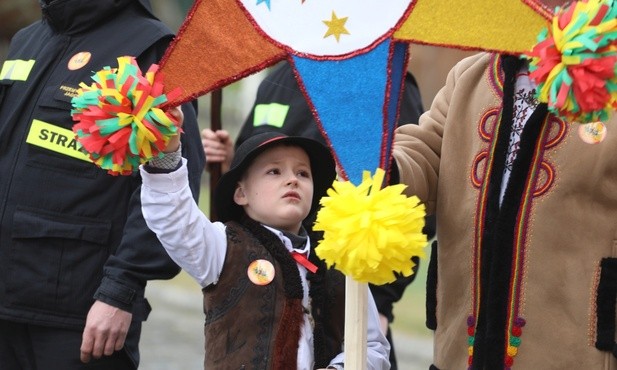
x: 75, y: 252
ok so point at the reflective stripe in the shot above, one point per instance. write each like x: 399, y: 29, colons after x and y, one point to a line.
x: 56, y: 139
x: 16, y: 69
x: 272, y: 114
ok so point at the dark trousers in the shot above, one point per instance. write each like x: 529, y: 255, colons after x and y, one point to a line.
x: 33, y: 347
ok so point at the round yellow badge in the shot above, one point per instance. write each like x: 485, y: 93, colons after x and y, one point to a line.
x: 593, y: 132
x: 261, y: 272
x: 79, y: 60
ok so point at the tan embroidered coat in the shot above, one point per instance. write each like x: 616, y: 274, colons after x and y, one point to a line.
x: 530, y: 284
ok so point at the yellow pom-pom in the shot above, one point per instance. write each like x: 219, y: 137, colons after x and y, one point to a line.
x: 370, y: 232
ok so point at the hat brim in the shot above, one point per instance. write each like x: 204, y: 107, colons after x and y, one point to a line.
x: 322, y: 167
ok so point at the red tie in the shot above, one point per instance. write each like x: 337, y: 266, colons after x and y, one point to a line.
x: 301, y: 259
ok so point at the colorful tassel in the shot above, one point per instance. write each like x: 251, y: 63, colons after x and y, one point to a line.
x: 370, y: 232
x: 119, y: 122
x: 574, y: 62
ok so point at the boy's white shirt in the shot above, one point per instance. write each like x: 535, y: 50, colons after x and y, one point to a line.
x: 198, y: 246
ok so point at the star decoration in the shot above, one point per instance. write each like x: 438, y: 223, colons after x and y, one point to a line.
x: 265, y: 1
x: 336, y: 27
x: 228, y: 19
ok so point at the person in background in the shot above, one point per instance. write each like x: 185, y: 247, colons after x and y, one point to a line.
x: 75, y: 252
x: 526, y: 204
x: 269, y: 301
x: 280, y: 106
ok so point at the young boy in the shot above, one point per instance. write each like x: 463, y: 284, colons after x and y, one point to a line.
x: 267, y: 305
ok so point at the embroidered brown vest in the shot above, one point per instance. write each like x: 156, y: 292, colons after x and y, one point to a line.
x: 251, y: 326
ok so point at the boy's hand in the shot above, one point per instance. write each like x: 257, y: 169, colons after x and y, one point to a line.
x: 174, y: 141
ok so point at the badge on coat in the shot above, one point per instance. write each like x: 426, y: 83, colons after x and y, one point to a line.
x: 79, y: 60
x: 593, y: 132
x: 261, y: 272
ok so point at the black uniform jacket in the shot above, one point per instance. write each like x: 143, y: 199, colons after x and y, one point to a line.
x: 69, y: 232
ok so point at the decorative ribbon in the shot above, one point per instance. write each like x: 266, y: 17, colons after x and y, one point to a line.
x: 301, y: 259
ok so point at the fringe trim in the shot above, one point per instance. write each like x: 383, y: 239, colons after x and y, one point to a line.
x: 288, y: 336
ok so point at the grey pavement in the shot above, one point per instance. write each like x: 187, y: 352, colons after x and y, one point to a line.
x: 172, y: 338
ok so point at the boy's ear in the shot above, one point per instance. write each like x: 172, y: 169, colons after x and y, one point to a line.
x: 239, y: 196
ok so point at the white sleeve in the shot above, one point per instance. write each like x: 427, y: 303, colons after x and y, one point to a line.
x: 195, y: 243
x: 378, y: 352
x: 378, y: 347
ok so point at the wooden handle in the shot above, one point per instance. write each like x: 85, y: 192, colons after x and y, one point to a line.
x: 216, y: 101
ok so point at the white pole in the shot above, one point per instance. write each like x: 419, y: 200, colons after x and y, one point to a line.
x: 355, y: 324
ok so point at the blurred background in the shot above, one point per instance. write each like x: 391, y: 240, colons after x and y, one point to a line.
x: 173, y: 335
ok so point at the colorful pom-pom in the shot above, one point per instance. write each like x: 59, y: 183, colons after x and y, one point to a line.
x: 574, y: 62
x: 119, y: 122
x: 370, y: 233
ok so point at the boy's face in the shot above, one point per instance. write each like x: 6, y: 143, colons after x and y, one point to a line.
x: 277, y: 189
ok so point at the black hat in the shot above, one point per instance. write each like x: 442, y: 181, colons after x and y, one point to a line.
x: 322, y: 168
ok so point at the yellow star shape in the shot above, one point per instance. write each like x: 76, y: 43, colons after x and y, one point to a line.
x: 336, y: 27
